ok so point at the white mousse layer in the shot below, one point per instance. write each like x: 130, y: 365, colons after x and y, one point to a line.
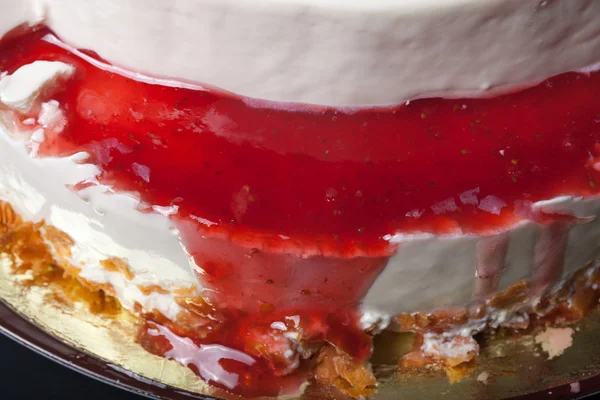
x: 102, y: 223
x: 331, y: 52
x: 429, y: 271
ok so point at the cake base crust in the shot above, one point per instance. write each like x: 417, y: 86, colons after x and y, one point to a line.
x: 442, y: 339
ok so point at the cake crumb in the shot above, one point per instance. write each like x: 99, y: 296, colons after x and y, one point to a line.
x: 555, y: 341
x: 483, y: 377
x: 575, y: 387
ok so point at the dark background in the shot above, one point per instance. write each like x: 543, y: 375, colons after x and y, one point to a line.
x: 27, y: 375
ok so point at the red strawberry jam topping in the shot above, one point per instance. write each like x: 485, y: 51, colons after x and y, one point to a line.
x: 285, y: 209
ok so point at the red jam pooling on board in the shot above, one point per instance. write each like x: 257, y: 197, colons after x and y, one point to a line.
x: 285, y: 211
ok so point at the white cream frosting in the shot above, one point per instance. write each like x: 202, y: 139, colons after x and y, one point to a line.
x: 14, y: 13
x: 331, y: 52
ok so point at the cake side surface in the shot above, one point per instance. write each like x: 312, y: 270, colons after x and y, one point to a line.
x: 277, y: 50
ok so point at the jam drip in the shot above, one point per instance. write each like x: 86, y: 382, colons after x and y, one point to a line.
x: 275, y: 351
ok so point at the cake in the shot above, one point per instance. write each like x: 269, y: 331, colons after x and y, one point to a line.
x: 268, y: 184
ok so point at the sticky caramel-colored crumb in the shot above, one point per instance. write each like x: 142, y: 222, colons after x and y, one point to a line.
x: 115, y: 264
x: 337, y: 368
x: 577, y: 297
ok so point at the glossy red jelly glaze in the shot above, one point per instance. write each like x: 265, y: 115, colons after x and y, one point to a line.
x: 331, y: 182
x: 285, y: 210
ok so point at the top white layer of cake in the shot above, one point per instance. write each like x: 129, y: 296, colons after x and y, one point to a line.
x: 331, y: 52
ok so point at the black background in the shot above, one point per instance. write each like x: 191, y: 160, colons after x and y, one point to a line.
x: 27, y: 375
